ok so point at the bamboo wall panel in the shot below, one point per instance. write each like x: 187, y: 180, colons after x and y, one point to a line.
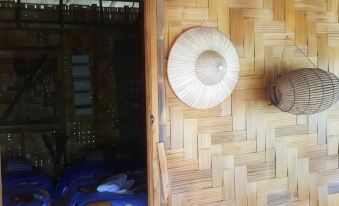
x: 245, y: 151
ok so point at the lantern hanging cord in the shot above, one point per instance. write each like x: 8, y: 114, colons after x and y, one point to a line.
x: 282, y: 57
x: 204, y: 23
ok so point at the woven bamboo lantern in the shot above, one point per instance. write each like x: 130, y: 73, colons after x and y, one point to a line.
x: 305, y: 91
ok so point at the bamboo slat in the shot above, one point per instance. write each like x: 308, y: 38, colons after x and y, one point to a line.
x: 177, y: 127
x: 187, y: 181
x: 190, y: 139
x: 301, y: 28
x: 164, y: 171
x: 183, y: 3
x: 252, y: 193
x: 226, y: 107
x: 204, y: 151
x: 303, y: 179
x: 332, y: 146
x: 314, y: 201
x: 281, y: 198
x: 333, y: 200
x: 223, y: 17
x: 212, y: 9
x: 249, y: 158
x: 257, y: 172
x: 240, y: 186
x: 281, y: 158
x: 215, y: 125
x: 228, y: 184
x: 238, y: 110
x: 203, y: 196
x: 292, y: 168
x: 323, y: 163
x: 246, y: 4
x: 250, y: 119
x: 237, y: 28
x: 323, y: 51
x: 312, y: 39
x: 262, y: 199
x: 217, y: 165
x: 176, y: 199
x: 202, y: 3
x: 289, y: 15
x: 199, y: 14
x: 259, y: 53
x: 278, y: 10
x: 322, y: 195
x: 249, y: 38
x: 228, y: 137
x: 322, y: 135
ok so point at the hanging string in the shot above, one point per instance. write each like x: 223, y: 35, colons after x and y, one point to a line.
x: 204, y: 23
x: 300, y: 50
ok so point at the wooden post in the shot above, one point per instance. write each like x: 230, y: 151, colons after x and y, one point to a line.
x: 152, y: 113
x: 1, y: 201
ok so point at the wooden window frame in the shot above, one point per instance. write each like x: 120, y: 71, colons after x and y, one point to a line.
x: 152, y: 108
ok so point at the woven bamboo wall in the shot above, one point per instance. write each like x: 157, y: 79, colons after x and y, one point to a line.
x: 245, y: 151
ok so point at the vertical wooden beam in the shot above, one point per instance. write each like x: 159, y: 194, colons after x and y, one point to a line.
x: 152, y: 124
x: 1, y: 200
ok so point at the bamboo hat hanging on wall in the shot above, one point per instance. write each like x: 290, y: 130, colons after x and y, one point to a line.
x: 203, y: 67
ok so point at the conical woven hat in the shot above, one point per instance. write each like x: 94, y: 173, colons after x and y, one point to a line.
x: 203, y: 67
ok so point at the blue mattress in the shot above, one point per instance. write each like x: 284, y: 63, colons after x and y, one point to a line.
x: 36, y: 187
x: 80, y: 171
x: 77, y: 193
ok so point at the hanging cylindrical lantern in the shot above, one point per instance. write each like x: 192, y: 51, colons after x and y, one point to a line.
x: 305, y: 91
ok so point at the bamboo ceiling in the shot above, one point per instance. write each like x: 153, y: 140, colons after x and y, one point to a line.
x: 245, y: 151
